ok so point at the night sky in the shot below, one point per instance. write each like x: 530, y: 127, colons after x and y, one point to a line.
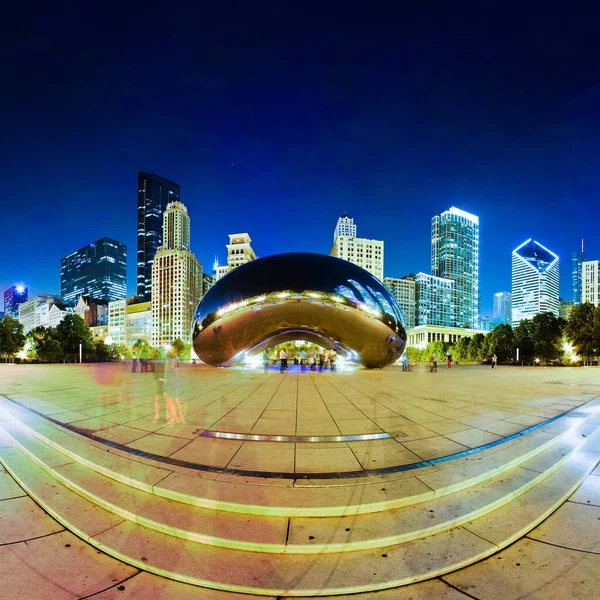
x: 276, y: 119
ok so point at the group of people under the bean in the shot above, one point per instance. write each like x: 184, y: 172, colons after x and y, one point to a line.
x: 310, y: 359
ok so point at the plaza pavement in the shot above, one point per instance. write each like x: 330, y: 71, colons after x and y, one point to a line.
x: 421, y: 416
x: 560, y: 558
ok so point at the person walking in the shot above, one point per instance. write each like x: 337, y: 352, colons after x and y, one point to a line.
x: 321, y: 361
x: 284, y: 359
x: 266, y: 361
x: 303, y: 360
x: 494, y: 360
x: 404, y: 360
x: 449, y: 357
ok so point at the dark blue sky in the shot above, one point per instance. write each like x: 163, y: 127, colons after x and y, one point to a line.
x: 275, y: 120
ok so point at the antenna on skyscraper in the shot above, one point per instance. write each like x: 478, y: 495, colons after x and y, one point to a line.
x: 581, y: 245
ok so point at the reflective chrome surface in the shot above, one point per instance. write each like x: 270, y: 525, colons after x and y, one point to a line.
x: 299, y: 296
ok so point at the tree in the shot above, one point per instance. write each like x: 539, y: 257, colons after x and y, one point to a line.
x: 71, y: 332
x: 50, y: 350
x: 523, y: 341
x: 122, y: 351
x: 461, y: 349
x: 501, y: 342
x: 546, y: 333
x: 101, y: 350
x: 476, y: 347
x: 12, y: 339
x: 414, y: 354
x: 141, y: 348
x: 177, y: 347
x: 581, y: 329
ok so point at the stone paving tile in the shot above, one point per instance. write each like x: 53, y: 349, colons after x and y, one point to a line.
x: 22, y: 519
x: 473, y: 437
x: 531, y: 570
x: 573, y: 525
x: 9, y: 487
x: 434, y: 447
x: 589, y: 491
x: 215, y: 453
x: 444, y: 427
x: 325, y: 460
x: 382, y: 453
x: 156, y: 443
x: 58, y: 567
x: 264, y: 456
x: 356, y: 426
x: 408, y: 433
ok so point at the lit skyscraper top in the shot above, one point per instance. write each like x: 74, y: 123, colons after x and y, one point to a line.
x: 154, y: 193
x: 345, y: 226
x: 455, y: 255
x: 576, y: 274
x: 13, y: 296
x: 98, y: 270
x: 176, y: 227
x: 535, y: 278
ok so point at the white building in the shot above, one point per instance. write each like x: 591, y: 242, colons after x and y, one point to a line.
x: 535, y: 277
x: 176, y: 280
x: 128, y: 322
x: 435, y: 300
x: 455, y: 255
x: 34, y: 312
x: 590, y: 282
x: 365, y: 253
x: 345, y: 227
x: 422, y: 335
x: 55, y: 315
x: 239, y: 252
x: 404, y: 291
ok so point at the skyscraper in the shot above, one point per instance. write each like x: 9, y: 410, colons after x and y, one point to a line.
x: 154, y: 193
x: 455, y: 255
x: 345, y: 226
x: 502, y: 308
x: 535, y: 277
x: 98, y: 270
x: 363, y: 252
x: 13, y: 296
x: 404, y: 290
x: 239, y: 252
x: 590, y: 282
x: 577, y: 261
x: 435, y: 300
x: 176, y: 280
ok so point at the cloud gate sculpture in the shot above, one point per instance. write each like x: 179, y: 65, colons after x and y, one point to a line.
x: 299, y: 296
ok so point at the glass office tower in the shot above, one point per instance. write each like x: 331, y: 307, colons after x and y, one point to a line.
x: 502, y: 308
x: 154, y: 193
x: 455, y: 255
x: 578, y: 259
x: 13, y: 296
x: 535, y: 277
x: 98, y: 270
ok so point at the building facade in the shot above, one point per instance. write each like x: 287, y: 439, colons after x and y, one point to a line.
x: 129, y: 321
x: 176, y: 282
x: 564, y: 309
x: 502, y: 308
x: 590, y: 282
x: 535, y: 281
x: 93, y: 312
x: 345, y: 227
x: 422, y: 335
x: 14, y: 296
x: 435, y: 300
x: 154, y: 193
x: 35, y: 312
x: 365, y: 253
x: 207, y: 282
x: 404, y: 290
x: 576, y: 273
x: 239, y: 252
x: 455, y: 255
x: 98, y: 270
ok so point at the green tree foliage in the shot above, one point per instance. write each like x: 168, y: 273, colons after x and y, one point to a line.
x: 460, y: 350
x: 141, y: 348
x: 414, y: 354
x: 524, y: 341
x: 583, y: 329
x: 476, y: 347
x: 178, y: 347
x: 71, y: 332
x: 50, y: 350
x: 12, y: 339
x: 501, y: 342
x: 546, y: 333
x: 119, y: 351
x: 101, y: 350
